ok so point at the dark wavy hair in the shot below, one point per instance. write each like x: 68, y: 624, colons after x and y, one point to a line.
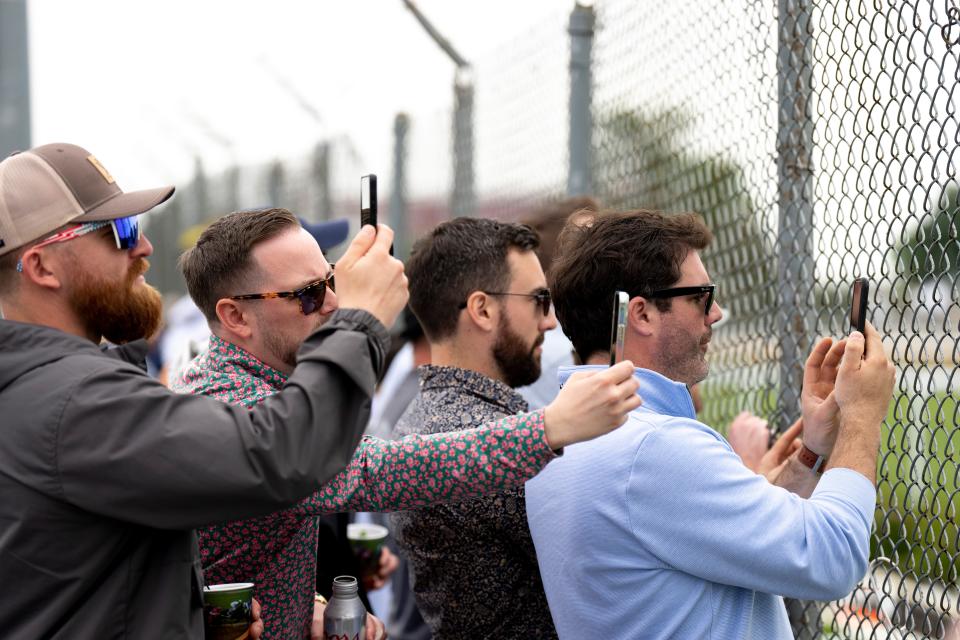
x: 634, y: 251
x: 454, y: 260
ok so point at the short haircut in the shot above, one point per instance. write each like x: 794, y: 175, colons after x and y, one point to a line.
x: 9, y: 278
x: 454, y: 260
x: 634, y: 251
x: 220, y: 261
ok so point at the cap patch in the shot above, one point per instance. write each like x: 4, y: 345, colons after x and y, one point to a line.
x: 99, y: 167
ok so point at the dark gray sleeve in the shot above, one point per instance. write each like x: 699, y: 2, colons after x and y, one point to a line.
x: 128, y: 448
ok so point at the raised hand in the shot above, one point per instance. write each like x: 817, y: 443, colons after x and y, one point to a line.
x: 821, y: 414
x: 369, y: 278
x: 749, y: 438
x: 774, y: 460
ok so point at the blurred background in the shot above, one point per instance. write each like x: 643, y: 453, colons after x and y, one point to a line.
x: 819, y: 140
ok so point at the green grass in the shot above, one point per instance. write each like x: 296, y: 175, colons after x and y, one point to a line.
x: 918, y: 481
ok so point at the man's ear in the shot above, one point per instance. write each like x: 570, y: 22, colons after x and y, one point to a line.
x: 234, y: 319
x: 482, y: 312
x: 643, y: 317
x: 43, y: 269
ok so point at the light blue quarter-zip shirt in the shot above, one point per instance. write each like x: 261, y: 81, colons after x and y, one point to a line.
x: 658, y: 530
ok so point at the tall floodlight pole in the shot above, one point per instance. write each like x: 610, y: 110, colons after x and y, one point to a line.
x: 14, y: 78
x: 463, y: 200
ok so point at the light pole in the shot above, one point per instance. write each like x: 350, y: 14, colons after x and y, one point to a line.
x: 463, y: 200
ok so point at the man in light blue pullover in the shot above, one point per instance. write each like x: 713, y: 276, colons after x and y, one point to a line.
x: 658, y: 530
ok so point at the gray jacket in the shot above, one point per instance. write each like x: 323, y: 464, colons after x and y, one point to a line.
x: 104, y: 473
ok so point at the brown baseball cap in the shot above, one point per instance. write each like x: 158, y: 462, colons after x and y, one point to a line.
x: 49, y: 186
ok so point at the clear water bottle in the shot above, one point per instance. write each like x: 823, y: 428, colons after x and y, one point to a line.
x: 345, y: 618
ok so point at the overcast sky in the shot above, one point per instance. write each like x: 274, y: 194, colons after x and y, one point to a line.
x: 147, y: 85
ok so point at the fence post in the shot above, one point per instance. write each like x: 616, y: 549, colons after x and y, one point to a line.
x: 276, y: 179
x: 323, y: 204
x: 14, y: 78
x: 463, y: 198
x: 796, y: 270
x: 398, y: 195
x: 580, y: 170
x: 231, y: 179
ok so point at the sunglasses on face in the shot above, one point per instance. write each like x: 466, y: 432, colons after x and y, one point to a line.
x: 126, y: 233
x: 310, y: 296
x: 542, y: 299
x: 707, y: 290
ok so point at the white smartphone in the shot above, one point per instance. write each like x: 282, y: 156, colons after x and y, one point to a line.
x: 619, y: 326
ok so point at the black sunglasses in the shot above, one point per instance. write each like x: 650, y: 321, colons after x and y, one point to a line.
x: 708, y: 289
x: 542, y: 297
x: 309, y: 296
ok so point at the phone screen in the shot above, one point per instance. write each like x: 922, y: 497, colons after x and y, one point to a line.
x: 619, y: 326
x: 368, y: 200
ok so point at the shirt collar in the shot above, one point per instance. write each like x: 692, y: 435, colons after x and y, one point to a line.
x: 660, y: 394
x: 228, y: 357
x: 437, y: 377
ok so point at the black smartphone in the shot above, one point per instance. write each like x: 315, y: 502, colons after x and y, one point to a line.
x: 619, y: 326
x: 368, y: 200
x: 858, y: 305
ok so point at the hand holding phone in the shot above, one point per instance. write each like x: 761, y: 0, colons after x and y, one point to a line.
x: 619, y: 326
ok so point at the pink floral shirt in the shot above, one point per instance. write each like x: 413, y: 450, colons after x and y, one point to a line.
x: 278, y: 552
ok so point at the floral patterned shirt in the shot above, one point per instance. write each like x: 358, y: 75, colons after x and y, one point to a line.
x: 474, y: 567
x: 278, y: 552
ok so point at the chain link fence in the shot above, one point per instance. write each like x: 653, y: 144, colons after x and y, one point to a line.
x: 818, y: 139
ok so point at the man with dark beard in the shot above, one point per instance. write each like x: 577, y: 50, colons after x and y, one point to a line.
x: 104, y: 473
x: 480, y: 293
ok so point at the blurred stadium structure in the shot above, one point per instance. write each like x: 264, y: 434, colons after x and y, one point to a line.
x: 820, y: 141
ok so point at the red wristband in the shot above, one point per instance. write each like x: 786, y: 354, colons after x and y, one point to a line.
x: 813, y: 461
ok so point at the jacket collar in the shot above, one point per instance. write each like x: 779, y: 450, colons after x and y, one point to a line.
x: 660, y: 394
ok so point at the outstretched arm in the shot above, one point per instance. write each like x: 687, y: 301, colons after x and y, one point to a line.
x: 448, y: 467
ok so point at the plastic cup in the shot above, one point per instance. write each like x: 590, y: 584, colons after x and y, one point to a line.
x: 367, y: 540
x: 227, y: 610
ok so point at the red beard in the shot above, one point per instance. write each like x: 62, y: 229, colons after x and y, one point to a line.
x: 118, y: 311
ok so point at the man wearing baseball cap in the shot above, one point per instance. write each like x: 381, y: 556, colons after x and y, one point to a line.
x: 103, y: 471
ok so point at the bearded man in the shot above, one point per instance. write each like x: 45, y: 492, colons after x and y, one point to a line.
x: 482, y: 299
x: 104, y: 473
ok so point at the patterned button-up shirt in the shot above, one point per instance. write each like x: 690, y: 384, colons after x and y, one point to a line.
x: 474, y: 566
x: 278, y: 552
